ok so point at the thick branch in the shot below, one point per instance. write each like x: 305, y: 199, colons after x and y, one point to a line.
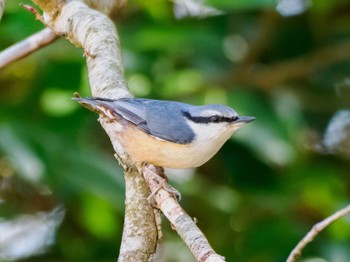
x: 133, y: 244
x: 26, y: 47
x: 316, y: 229
x: 96, y: 33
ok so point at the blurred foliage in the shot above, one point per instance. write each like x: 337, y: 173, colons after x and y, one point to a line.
x: 286, y: 63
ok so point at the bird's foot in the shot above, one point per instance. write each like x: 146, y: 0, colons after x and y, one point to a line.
x: 162, y: 183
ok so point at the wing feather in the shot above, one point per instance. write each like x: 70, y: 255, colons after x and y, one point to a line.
x: 162, y: 119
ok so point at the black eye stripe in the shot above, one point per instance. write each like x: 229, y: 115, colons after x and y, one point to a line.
x: 210, y: 119
x: 215, y: 119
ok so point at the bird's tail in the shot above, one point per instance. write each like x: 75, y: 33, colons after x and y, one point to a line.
x: 95, y: 104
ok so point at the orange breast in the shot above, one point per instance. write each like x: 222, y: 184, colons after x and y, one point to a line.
x: 145, y: 148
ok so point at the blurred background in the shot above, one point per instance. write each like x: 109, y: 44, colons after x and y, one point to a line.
x: 286, y: 62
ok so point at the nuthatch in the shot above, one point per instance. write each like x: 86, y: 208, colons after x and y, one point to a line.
x: 167, y: 133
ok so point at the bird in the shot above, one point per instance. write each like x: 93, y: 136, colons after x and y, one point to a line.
x: 167, y: 133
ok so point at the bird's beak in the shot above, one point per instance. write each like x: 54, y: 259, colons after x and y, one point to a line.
x: 245, y: 119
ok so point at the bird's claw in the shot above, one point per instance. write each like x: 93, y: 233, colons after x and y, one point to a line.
x: 162, y: 182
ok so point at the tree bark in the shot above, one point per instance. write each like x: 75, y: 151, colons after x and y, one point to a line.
x: 97, y: 34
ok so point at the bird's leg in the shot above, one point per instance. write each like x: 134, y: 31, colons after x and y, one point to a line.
x: 162, y: 182
x: 166, y: 185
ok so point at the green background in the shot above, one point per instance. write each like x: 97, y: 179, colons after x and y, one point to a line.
x: 257, y: 197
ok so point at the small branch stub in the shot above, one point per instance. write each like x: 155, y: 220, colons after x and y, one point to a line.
x: 35, y: 12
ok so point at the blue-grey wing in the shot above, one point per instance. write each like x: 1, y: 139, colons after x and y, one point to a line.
x: 162, y: 119
x: 130, y: 111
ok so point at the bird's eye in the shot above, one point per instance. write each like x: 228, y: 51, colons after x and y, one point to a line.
x: 215, y: 119
x: 235, y: 119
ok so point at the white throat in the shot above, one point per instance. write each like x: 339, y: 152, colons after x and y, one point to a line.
x: 210, y: 138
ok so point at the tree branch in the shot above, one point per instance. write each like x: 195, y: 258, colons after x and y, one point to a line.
x: 316, y: 229
x: 133, y: 241
x: 180, y: 220
x: 26, y: 47
x: 97, y: 35
x: 2, y: 6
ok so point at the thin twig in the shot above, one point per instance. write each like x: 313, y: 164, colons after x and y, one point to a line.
x: 272, y: 76
x: 26, y: 47
x: 316, y: 229
x: 2, y: 6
